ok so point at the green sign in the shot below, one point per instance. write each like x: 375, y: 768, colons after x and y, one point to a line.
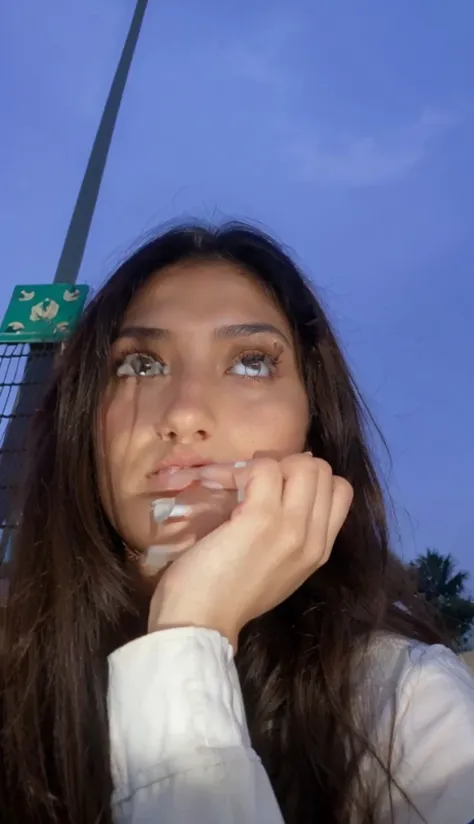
x: 42, y: 314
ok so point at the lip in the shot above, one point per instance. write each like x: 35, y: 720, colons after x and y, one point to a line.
x: 180, y: 460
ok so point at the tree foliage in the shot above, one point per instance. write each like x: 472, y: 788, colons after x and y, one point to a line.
x: 444, y: 587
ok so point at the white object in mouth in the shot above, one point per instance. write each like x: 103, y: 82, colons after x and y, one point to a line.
x: 164, y: 508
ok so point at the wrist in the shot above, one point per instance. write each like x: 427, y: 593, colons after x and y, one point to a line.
x: 161, y: 624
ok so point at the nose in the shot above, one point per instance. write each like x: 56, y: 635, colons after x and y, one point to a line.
x: 187, y: 417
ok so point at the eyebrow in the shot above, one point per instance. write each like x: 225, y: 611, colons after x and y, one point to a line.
x: 235, y: 330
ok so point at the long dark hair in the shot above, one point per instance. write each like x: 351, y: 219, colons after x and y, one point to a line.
x: 70, y: 593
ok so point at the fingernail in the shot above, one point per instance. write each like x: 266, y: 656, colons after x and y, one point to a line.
x: 211, y: 484
x: 179, y: 511
x: 164, y: 508
x: 213, y: 472
x: 240, y: 492
x: 174, y: 479
x: 159, y: 556
x: 208, y: 472
x: 161, y: 508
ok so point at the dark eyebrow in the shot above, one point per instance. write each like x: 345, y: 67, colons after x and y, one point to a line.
x: 245, y: 330
x: 236, y: 330
x: 143, y: 332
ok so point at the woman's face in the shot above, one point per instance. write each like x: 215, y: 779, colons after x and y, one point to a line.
x: 204, y: 368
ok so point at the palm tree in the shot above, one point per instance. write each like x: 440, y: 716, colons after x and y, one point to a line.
x: 444, y: 588
x: 437, y: 577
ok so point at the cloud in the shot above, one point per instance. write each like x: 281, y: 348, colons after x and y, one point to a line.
x: 318, y: 155
x: 367, y: 160
x: 262, y: 55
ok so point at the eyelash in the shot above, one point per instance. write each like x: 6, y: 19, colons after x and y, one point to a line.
x: 272, y: 360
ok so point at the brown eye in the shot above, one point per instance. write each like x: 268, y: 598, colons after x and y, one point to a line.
x: 254, y: 365
x: 138, y: 365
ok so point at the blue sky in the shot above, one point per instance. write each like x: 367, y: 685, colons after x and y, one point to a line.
x: 345, y: 128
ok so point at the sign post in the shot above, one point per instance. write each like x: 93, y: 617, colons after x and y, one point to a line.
x: 42, y: 314
x: 40, y: 317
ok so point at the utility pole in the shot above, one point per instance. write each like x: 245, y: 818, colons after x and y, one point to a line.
x: 37, y: 357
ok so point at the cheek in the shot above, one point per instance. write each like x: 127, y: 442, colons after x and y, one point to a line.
x: 114, y: 462
x: 120, y: 432
x: 277, y: 422
x: 126, y: 429
x: 104, y: 460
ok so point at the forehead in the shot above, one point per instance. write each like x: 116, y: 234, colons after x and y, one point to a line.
x: 213, y: 291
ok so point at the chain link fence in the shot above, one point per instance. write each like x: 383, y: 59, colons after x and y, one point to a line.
x: 24, y: 373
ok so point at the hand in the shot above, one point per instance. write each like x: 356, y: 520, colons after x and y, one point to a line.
x: 280, y: 535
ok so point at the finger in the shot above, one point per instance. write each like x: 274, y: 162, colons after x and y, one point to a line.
x: 230, y: 476
x: 219, y: 476
x: 317, y: 535
x: 173, y: 480
x: 262, y: 481
x: 212, y: 476
x: 336, y: 508
x: 223, y: 476
x: 300, y: 474
x: 343, y: 495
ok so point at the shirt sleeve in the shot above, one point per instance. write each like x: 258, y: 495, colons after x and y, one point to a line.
x: 433, y: 742
x: 180, y: 748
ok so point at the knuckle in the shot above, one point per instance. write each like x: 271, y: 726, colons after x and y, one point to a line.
x: 291, y: 461
x: 293, y: 536
x: 343, y: 490
x: 320, y: 551
x: 323, y: 467
x: 301, y: 463
x: 267, y: 466
x: 263, y: 518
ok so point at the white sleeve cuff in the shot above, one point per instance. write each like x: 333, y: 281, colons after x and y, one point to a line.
x: 173, y: 695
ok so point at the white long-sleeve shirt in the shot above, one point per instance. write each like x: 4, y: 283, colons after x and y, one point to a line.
x: 180, y: 746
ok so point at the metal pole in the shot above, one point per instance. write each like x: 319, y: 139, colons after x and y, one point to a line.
x: 78, y: 232
x: 40, y: 357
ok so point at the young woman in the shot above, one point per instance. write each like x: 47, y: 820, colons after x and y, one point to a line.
x: 205, y: 375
